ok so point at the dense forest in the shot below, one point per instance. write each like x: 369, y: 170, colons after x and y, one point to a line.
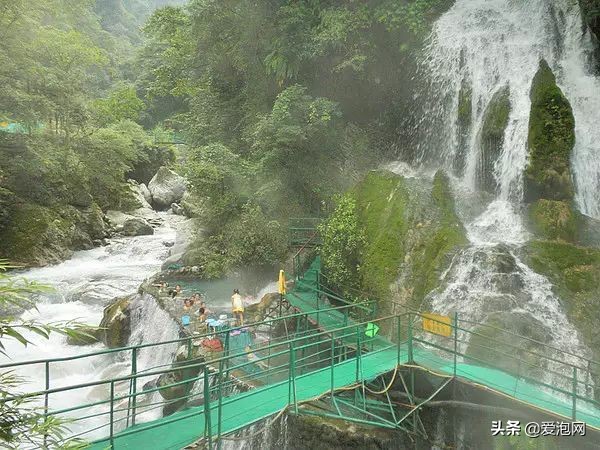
x: 282, y: 106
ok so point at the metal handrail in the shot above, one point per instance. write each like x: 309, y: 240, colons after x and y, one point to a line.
x: 173, y: 341
x: 291, y: 348
x: 344, y: 335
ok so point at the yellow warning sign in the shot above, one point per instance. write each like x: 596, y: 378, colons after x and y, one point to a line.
x: 436, y: 324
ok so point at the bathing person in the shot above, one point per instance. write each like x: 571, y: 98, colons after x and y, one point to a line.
x: 187, y: 304
x: 203, y: 312
x: 175, y: 292
x: 237, y: 306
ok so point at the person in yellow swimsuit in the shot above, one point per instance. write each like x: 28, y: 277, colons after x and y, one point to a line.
x: 237, y: 305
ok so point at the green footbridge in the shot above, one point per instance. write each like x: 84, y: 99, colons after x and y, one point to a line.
x: 321, y: 350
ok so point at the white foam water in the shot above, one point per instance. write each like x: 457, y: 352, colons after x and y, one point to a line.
x: 488, y: 45
x: 83, y: 285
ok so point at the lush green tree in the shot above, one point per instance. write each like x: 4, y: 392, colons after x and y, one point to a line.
x: 106, y: 156
x: 299, y: 143
x: 343, y: 239
x: 255, y: 240
x: 122, y: 103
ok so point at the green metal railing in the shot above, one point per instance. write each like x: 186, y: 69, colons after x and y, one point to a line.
x: 285, y: 360
x: 136, y: 374
x: 306, y: 352
x: 304, y: 231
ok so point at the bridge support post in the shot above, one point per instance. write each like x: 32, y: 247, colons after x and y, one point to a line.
x: 410, y: 339
x: 292, y: 378
x: 220, y: 391
x: 112, y: 414
x: 46, y: 399
x: 455, y: 340
x: 207, y: 413
x: 332, y: 364
x: 133, y: 386
x: 358, y: 354
x: 574, y: 393
x: 399, y: 335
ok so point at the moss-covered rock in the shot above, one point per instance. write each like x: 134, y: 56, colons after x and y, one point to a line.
x: 36, y: 235
x: 574, y: 272
x: 495, y: 121
x: 170, y: 383
x: 551, y: 140
x: 40, y: 235
x: 465, y: 112
x: 409, y: 230
x: 382, y: 200
x: 553, y: 219
x: 505, y: 329
x: 116, y: 323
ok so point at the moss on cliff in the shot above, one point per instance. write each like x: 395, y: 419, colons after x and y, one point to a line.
x: 430, y: 252
x: 574, y: 271
x: 408, y: 230
x: 551, y: 140
x: 39, y: 235
x: 495, y: 121
x: 465, y: 111
x: 554, y: 220
x: 381, y: 200
x: 33, y: 235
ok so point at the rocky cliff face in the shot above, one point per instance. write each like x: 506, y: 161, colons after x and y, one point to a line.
x: 551, y: 140
x: 39, y: 235
x: 409, y: 229
x: 591, y: 15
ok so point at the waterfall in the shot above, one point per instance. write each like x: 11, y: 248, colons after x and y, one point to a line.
x: 479, y: 50
x: 483, y: 46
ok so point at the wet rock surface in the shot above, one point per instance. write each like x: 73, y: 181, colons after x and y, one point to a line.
x: 116, y: 323
x: 166, y: 188
x: 136, y: 226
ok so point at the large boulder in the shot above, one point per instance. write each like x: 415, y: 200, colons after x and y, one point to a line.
x: 41, y: 235
x: 551, y: 140
x: 166, y: 188
x: 495, y: 121
x: 116, y: 323
x: 117, y: 218
x: 170, y: 383
x: 143, y: 189
x: 136, y: 226
x: 141, y: 193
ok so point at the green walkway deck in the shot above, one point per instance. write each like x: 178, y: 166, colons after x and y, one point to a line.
x: 241, y: 410
x: 244, y: 409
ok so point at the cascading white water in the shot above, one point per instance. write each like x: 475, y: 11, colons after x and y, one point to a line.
x: 486, y: 46
x: 83, y: 286
x: 582, y: 89
x: 492, y: 44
